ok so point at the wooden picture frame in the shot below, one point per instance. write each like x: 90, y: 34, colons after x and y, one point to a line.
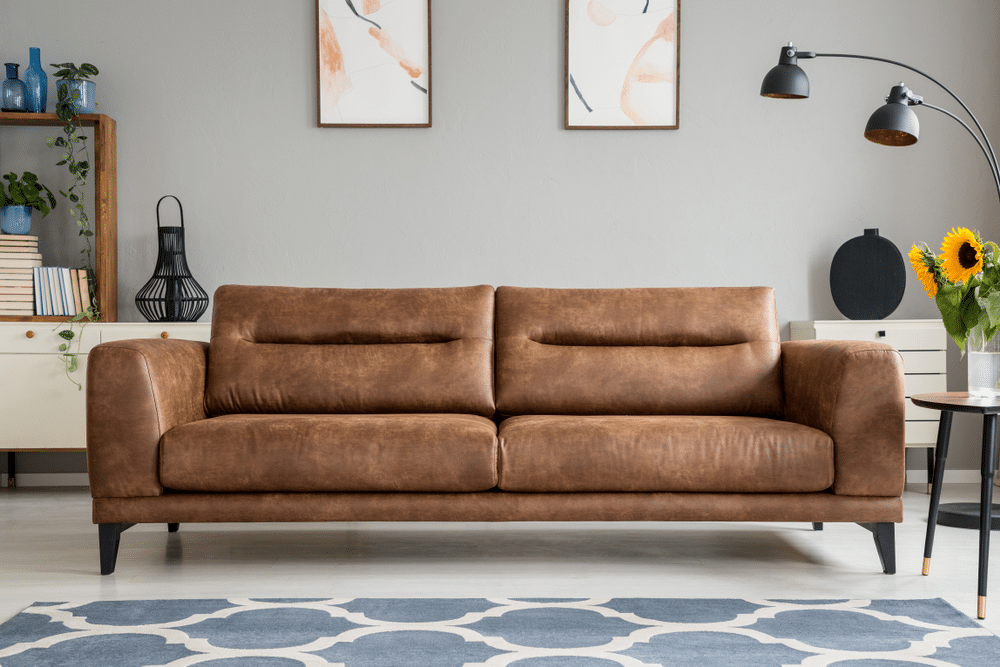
x: 373, y: 63
x: 622, y: 64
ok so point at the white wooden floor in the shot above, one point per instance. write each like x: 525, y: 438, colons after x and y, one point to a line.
x: 48, y: 552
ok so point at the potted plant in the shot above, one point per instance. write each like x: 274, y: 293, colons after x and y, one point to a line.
x: 76, y: 95
x: 20, y: 195
x: 75, y: 88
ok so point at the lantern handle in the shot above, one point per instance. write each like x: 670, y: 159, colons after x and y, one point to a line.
x: 181, y: 208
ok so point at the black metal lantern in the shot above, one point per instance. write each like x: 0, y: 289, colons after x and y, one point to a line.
x: 172, y: 294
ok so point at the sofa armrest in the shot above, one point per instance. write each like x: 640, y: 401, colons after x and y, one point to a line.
x: 137, y: 390
x: 854, y: 391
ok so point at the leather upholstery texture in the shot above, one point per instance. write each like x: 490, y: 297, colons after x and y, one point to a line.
x: 665, y: 351
x: 268, y: 453
x: 316, y: 404
x: 663, y: 453
x: 137, y: 390
x: 293, y: 350
x: 854, y: 391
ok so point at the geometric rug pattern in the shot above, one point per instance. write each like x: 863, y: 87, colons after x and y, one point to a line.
x: 522, y: 632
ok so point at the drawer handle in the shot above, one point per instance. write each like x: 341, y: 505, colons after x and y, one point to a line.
x: 165, y: 335
x: 881, y: 334
x: 29, y: 334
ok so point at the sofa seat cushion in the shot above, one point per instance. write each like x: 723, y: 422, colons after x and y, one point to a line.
x: 663, y: 453
x: 361, y: 453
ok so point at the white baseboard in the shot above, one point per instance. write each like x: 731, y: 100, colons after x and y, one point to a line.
x: 26, y: 479
x: 919, y: 476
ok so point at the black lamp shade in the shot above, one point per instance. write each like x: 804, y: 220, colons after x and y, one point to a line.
x: 894, y: 124
x: 785, y: 82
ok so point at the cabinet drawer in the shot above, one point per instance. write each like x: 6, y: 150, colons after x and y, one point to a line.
x: 921, y: 433
x: 926, y: 361
x: 43, y: 338
x: 901, y: 339
x: 917, y: 413
x: 180, y: 330
x: 901, y: 334
x: 925, y: 384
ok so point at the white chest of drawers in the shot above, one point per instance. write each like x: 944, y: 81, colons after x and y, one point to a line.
x: 923, y: 345
x: 40, y: 408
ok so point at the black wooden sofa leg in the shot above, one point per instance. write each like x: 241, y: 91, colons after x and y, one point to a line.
x: 885, y: 542
x: 173, y: 527
x: 817, y: 525
x: 109, y: 535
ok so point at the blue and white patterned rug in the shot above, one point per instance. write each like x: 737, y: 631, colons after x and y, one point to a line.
x: 415, y: 632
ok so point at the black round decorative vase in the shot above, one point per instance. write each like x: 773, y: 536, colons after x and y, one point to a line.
x: 867, y: 277
x: 172, y: 294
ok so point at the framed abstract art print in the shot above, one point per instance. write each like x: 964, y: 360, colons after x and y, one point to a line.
x: 373, y: 63
x: 622, y: 64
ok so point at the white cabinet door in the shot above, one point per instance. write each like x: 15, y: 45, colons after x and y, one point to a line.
x: 41, y: 407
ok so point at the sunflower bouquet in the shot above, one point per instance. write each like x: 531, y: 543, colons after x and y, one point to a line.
x: 964, y: 281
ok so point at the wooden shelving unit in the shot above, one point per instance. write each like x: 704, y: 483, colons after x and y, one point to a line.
x: 104, y: 175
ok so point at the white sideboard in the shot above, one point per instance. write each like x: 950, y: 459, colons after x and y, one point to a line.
x: 923, y: 345
x: 40, y: 408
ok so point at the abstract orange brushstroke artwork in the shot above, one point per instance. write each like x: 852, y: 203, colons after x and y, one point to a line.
x: 333, y: 81
x: 390, y: 46
x: 621, y: 64
x: 600, y: 14
x: 648, y: 69
x: 373, y: 62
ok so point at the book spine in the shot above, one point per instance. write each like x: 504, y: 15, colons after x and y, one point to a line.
x: 38, y: 292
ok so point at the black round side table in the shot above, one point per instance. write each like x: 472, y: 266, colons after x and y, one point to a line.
x: 949, y: 403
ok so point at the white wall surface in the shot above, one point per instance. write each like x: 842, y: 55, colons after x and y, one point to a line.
x: 215, y: 102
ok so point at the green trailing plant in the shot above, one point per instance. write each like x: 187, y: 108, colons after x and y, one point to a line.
x: 26, y: 190
x: 75, y: 156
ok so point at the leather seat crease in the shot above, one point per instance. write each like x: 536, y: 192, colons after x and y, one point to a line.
x: 663, y: 454
x: 332, y: 453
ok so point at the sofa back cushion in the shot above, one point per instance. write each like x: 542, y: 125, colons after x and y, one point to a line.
x: 331, y: 351
x: 658, y: 351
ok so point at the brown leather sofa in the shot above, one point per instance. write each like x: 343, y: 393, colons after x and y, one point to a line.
x: 475, y: 404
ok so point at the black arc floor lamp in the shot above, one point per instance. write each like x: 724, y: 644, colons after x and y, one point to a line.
x: 895, y: 124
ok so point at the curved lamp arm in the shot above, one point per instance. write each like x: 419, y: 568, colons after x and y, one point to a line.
x: 993, y: 167
x: 788, y: 80
x: 988, y: 148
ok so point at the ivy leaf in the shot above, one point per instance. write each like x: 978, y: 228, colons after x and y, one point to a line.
x: 66, y: 334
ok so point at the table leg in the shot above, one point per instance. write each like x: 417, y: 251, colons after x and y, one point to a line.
x: 986, y: 505
x: 941, y: 453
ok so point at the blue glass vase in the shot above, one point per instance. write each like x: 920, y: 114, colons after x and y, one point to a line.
x: 87, y: 102
x: 13, y: 95
x: 36, y: 82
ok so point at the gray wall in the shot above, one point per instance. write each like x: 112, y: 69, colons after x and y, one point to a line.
x: 216, y: 103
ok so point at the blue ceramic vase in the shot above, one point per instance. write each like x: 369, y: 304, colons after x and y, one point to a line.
x: 15, y: 219
x: 13, y: 95
x: 36, y: 82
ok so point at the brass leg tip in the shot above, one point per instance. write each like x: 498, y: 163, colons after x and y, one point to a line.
x: 927, y: 567
x: 981, y: 607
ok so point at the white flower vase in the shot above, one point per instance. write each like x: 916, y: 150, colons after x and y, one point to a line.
x: 984, y: 364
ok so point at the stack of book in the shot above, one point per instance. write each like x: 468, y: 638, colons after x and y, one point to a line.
x: 18, y: 258
x: 61, y: 291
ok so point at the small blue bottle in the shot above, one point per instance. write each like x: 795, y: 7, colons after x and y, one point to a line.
x: 13, y: 95
x: 36, y: 82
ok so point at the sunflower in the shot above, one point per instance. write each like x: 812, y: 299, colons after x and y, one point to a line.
x: 962, y: 252
x: 924, y: 261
